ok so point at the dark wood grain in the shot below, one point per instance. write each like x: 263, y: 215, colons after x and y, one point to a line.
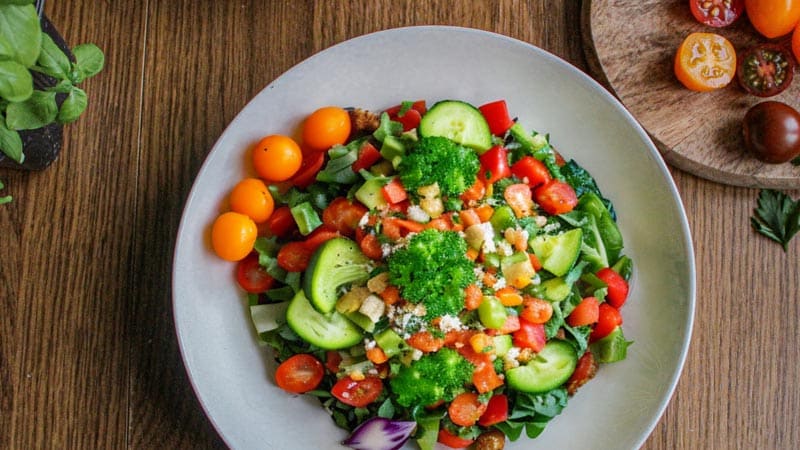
x: 88, y: 355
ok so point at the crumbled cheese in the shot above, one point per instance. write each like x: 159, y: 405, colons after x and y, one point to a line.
x: 364, y: 220
x: 540, y: 221
x: 510, y: 358
x: 369, y: 344
x: 500, y: 283
x: 504, y: 248
x: 488, y: 236
x: 449, y: 322
x: 551, y: 227
x: 418, y: 214
x: 416, y: 354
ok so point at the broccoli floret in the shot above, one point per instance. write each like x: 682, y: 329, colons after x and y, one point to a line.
x: 433, y: 269
x: 439, y: 160
x: 436, y: 376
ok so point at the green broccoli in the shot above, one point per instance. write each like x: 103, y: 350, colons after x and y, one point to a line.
x: 436, y: 376
x: 439, y: 160
x: 433, y: 269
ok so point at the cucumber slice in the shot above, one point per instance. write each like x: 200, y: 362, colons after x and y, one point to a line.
x: 558, y: 253
x: 330, y: 332
x: 548, y: 370
x: 335, y: 263
x: 458, y: 121
x: 556, y: 289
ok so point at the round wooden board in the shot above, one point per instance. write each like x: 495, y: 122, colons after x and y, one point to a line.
x: 630, y: 45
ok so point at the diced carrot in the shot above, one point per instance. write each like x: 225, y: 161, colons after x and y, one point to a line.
x: 485, y: 212
x: 371, y: 246
x: 390, y: 295
x: 472, y: 297
x: 489, y: 279
x: 537, y: 265
x: 469, y: 217
x: 466, y: 409
x: 425, y: 341
x: 509, y: 296
x: 473, y: 254
x: 377, y: 355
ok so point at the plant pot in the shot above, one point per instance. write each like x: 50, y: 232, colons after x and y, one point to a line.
x: 41, y: 146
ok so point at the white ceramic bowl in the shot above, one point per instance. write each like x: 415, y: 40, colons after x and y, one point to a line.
x: 232, y: 375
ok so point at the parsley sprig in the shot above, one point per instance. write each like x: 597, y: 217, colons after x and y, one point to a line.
x: 777, y: 216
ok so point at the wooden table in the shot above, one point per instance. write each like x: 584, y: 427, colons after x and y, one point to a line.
x: 88, y: 355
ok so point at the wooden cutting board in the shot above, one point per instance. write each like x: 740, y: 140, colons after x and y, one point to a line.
x: 630, y: 45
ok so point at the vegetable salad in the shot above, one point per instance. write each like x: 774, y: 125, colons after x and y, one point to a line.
x: 439, y: 274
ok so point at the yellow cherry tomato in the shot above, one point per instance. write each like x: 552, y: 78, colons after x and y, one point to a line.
x: 277, y: 158
x: 326, y: 127
x: 233, y: 236
x: 773, y: 18
x: 252, y: 198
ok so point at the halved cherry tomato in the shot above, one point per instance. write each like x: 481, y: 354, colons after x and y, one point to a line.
x: 585, y: 370
x: 765, y: 69
x: 494, y: 164
x: 451, y: 440
x: 586, y: 312
x: 299, y: 373
x: 371, y: 246
x: 617, y: 286
x: 319, y: 236
x: 367, y: 156
x: 294, y: 256
x: 332, y: 360
x: 343, y: 215
x: 281, y: 222
x: 536, y: 310
x: 608, y: 318
x: 496, y: 411
x: 277, y: 158
x: 705, y: 61
x: 310, y: 167
x: 233, y: 236
x: 465, y: 409
x: 496, y: 115
x: 326, y: 127
x: 556, y: 197
x: 531, y: 171
x: 251, y: 276
x: 773, y: 18
x: 530, y: 335
x: 519, y: 198
x: 357, y: 393
x: 716, y: 13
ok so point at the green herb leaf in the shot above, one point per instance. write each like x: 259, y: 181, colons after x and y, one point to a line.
x: 16, y: 82
x: 52, y: 60
x: 776, y: 216
x: 73, y: 106
x: 89, y: 61
x: 16, y: 2
x: 35, y: 112
x: 11, y: 143
x: 21, y: 33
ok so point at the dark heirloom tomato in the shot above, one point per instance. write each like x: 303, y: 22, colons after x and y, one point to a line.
x: 765, y: 70
x: 772, y: 132
x: 716, y: 13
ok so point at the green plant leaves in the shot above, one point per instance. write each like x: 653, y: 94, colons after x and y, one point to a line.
x: 16, y: 83
x: 52, y: 60
x: 89, y: 61
x: 35, y: 112
x: 73, y: 106
x: 20, y: 33
x: 11, y: 143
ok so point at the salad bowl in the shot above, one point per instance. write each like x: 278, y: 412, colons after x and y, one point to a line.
x: 233, y: 376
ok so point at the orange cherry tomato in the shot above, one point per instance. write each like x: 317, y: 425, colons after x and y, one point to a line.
x: 277, y: 158
x: 773, y: 18
x: 252, y: 198
x: 233, y: 235
x: 796, y: 42
x: 326, y: 127
x: 705, y: 61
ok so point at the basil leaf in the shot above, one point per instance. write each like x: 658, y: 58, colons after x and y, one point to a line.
x: 89, y: 61
x: 777, y: 216
x: 16, y: 82
x: 37, y: 111
x: 73, y: 106
x: 16, y: 2
x: 21, y: 32
x: 52, y: 60
x: 11, y: 143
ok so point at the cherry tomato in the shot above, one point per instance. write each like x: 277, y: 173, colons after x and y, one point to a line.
x: 357, y: 393
x: 277, y: 158
x: 716, y: 13
x: 494, y: 164
x: 773, y: 18
x: 251, y: 276
x: 319, y: 236
x: 233, y: 235
x: 465, y: 409
x: 326, y: 127
x: 252, y: 198
x: 281, y: 222
x: 796, y: 42
x: 531, y: 171
x: 556, y: 197
x: 496, y: 411
x: 294, y: 256
x: 299, y: 373
x: 772, y: 132
x: 343, y: 215
x: 586, y: 313
x: 585, y: 370
x: 765, y: 70
x: 530, y: 335
x: 453, y: 441
x: 411, y: 117
x: 705, y: 61
x: 608, y: 318
x: 617, y: 286
x: 307, y: 173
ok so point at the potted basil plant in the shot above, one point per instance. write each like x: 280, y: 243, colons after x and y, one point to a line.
x: 39, y: 78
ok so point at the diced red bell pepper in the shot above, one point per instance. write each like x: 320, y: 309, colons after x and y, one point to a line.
x: 530, y: 335
x: 617, y: 287
x: 496, y: 115
x: 394, y: 192
x: 367, y: 156
x: 496, y: 411
x: 494, y: 164
x: 411, y: 117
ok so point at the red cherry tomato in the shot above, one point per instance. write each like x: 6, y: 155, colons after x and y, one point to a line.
x: 251, y: 276
x: 556, y: 197
x: 307, y: 173
x: 765, y: 69
x: 585, y: 370
x: 357, y: 393
x: 608, y: 318
x: 453, y: 441
x: 530, y: 335
x: 531, y: 170
x: 281, y: 222
x: 343, y: 215
x: 716, y: 13
x: 300, y: 373
x: 586, y: 313
x: 496, y: 411
x: 617, y: 287
x: 294, y: 256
